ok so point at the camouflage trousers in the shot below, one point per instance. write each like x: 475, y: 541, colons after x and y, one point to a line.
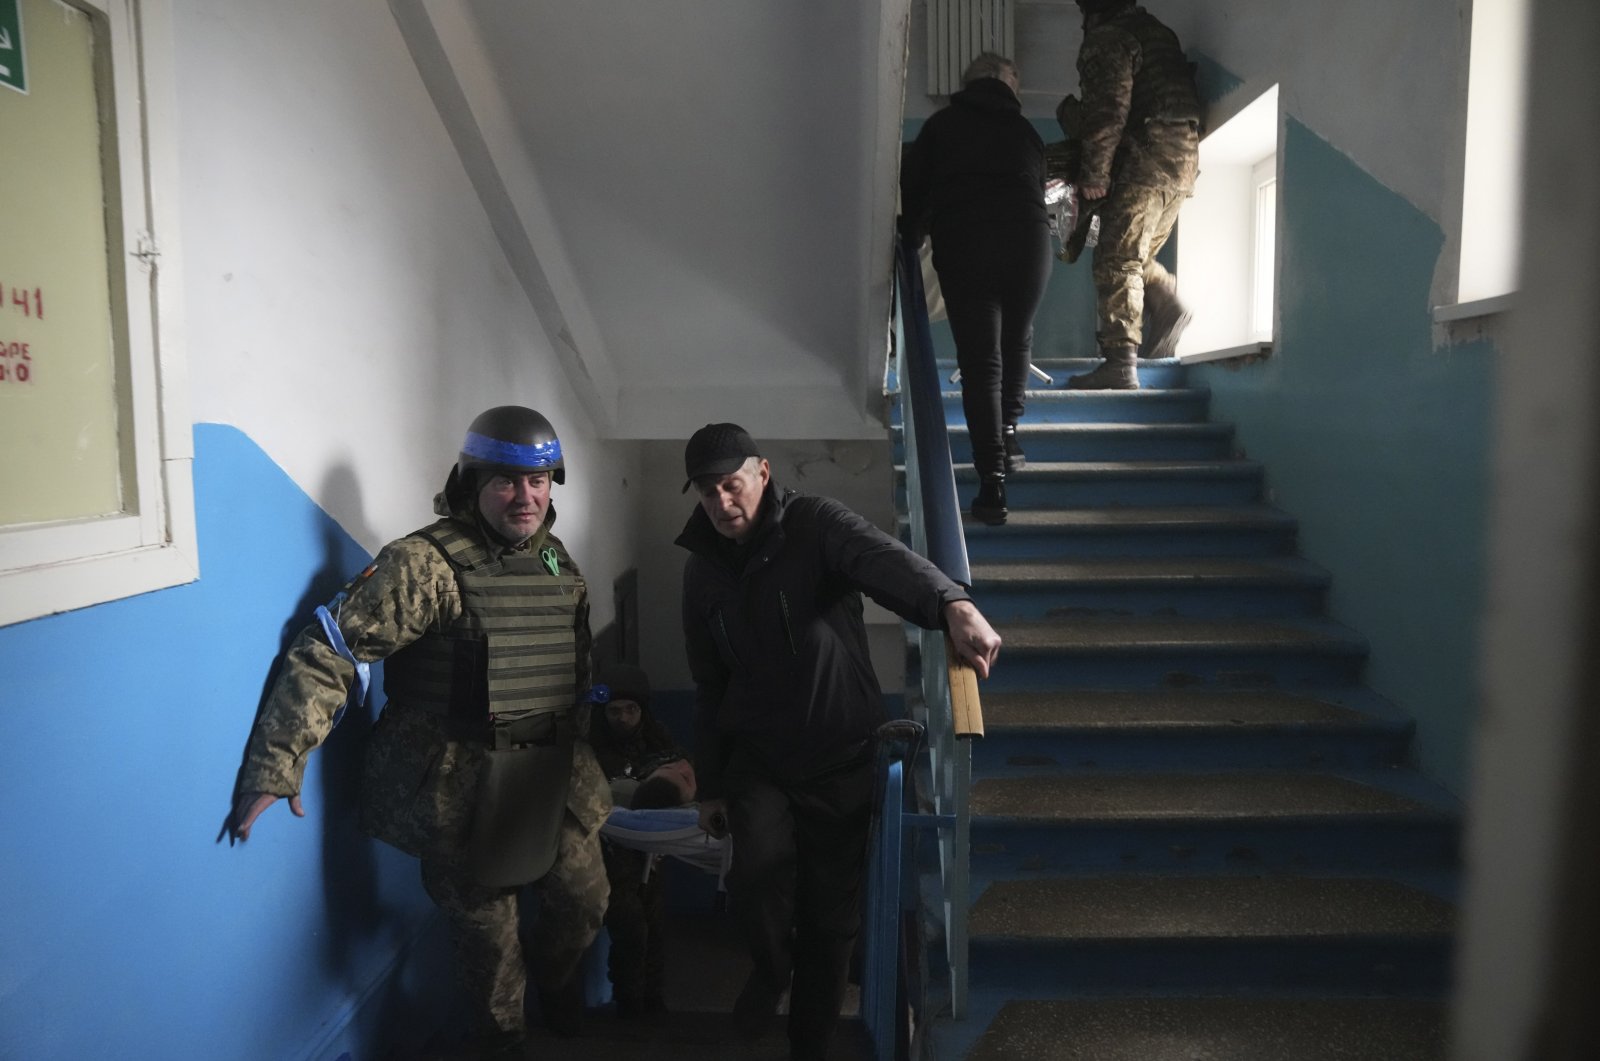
x: 1134, y: 224
x: 484, y: 927
x: 1153, y: 174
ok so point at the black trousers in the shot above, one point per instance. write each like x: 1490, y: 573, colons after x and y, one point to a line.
x: 799, y: 858
x: 993, y: 277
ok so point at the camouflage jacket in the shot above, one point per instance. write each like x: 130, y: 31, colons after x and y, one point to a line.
x: 408, y: 591
x: 1133, y: 75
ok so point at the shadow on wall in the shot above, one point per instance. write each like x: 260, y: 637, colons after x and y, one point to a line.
x: 352, y: 909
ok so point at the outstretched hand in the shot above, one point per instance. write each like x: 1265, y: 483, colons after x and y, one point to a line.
x: 246, y: 809
x: 977, y: 645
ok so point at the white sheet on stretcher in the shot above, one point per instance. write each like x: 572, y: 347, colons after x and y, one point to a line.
x: 670, y: 831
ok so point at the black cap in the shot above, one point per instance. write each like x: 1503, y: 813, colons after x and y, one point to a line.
x: 717, y: 449
x: 624, y: 682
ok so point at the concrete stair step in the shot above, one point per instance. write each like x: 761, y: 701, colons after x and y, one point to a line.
x: 1198, y: 799
x: 1215, y: 933
x: 1158, y: 530
x: 1235, y: 1029
x: 1034, y: 822
x: 1186, y: 729
x: 1087, y: 484
x: 1122, y: 653
x: 1133, y: 532
x: 1147, y: 405
x: 1101, y: 441
x: 1211, y: 587
x: 1160, y: 372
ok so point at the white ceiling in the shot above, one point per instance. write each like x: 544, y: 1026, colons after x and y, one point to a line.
x: 707, y: 187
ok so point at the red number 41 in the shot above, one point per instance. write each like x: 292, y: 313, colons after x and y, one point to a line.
x: 31, y: 302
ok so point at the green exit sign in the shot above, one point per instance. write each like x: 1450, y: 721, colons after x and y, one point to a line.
x: 13, y: 70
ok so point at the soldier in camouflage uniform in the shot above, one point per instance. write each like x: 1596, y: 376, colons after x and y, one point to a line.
x: 1140, y: 122
x: 475, y: 765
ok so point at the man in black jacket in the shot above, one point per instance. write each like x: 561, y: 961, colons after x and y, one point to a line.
x: 786, y: 703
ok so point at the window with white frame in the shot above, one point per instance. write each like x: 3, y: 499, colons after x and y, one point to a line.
x: 1227, y: 250
x: 96, y: 499
x: 1492, y: 182
x: 1264, y: 245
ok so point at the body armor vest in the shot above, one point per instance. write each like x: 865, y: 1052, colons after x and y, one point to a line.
x: 1163, y: 86
x: 512, y: 654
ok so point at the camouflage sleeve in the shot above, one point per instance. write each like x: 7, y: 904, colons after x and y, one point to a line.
x: 408, y: 588
x: 1106, y: 65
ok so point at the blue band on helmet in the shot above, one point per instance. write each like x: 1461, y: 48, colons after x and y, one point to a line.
x: 512, y: 454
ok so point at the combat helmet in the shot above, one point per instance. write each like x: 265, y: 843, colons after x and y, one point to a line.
x: 507, y: 438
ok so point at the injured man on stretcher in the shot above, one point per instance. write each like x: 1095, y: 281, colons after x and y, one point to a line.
x: 658, y: 816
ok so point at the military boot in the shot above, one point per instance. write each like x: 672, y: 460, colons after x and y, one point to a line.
x: 1116, y: 372
x: 990, y: 504
x: 1165, y: 318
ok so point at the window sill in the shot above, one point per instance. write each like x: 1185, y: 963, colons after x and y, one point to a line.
x: 1480, y: 307
x: 1250, y: 350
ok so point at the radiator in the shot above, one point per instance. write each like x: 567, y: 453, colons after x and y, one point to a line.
x: 958, y: 30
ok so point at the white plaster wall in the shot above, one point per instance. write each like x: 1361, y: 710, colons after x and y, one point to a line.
x: 856, y: 473
x: 714, y: 170
x: 347, y: 304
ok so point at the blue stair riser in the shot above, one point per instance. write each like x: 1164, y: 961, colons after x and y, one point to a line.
x: 1288, y: 669
x: 1325, y: 844
x: 1018, y: 542
x: 1151, y: 373
x: 1006, y: 752
x: 1108, y: 446
x: 1012, y: 601
x: 1120, y: 407
x: 1367, y: 967
x: 1025, y: 491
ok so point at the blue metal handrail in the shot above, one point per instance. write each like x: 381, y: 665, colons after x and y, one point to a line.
x: 935, y: 518
x: 930, y: 472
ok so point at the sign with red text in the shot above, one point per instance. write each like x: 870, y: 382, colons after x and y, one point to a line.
x: 60, y: 422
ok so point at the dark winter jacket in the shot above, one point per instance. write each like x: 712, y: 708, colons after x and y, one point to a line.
x: 646, y: 748
x: 974, y: 162
x: 776, y: 642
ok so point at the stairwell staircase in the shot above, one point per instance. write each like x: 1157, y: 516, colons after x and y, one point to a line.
x: 1195, y: 833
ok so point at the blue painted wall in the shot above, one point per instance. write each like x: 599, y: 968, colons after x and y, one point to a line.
x: 1375, y: 438
x: 126, y: 931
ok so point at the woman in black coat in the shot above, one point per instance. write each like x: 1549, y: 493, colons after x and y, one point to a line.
x: 974, y: 179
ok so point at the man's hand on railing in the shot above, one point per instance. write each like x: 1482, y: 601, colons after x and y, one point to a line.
x: 714, y: 817
x: 976, y: 643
